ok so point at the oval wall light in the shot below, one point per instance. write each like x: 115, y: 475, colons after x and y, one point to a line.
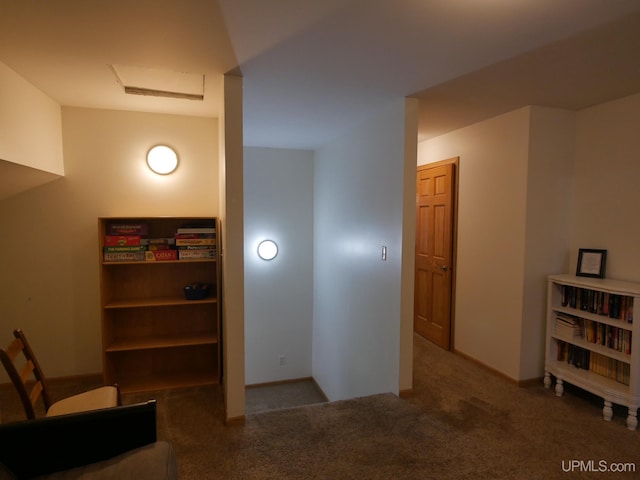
x: 162, y: 160
x: 267, y: 249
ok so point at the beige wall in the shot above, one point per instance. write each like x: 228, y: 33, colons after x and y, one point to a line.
x: 608, y: 185
x: 48, y: 248
x: 408, y: 246
x: 232, y: 214
x: 491, y: 233
x: 30, y: 125
x: 536, y: 184
x: 550, y: 194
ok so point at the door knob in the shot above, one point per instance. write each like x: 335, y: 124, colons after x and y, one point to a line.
x: 444, y: 267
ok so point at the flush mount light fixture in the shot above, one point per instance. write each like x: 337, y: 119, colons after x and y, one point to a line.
x: 162, y: 159
x: 267, y: 249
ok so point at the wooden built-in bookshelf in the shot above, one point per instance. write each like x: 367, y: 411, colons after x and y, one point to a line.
x: 153, y: 336
x: 591, y: 326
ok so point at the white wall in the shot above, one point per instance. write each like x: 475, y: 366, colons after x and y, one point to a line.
x: 608, y: 185
x: 278, y: 190
x: 358, y: 188
x: 30, y: 125
x: 49, y: 241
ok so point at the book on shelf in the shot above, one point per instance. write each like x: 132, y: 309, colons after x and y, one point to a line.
x: 161, y: 255
x: 161, y: 243
x: 124, y: 256
x: 194, y: 235
x: 127, y: 228
x: 595, y: 362
x: 208, y: 253
x: 126, y: 248
x: 578, y: 357
x: 610, y: 368
x: 601, y: 303
x: 159, y: 246
x: 196, y: 247
x: 615, y: 338
x: 198, y: 228
x: 183, y: 242
x: 568, y: 326
x: 121, y: 240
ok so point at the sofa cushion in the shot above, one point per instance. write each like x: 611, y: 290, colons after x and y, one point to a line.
x: 155, y: 461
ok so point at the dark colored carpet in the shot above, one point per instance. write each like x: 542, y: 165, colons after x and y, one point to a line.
x: 463, y: 422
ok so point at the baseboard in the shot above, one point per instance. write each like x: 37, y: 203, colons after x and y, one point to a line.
x: 291, y: 380
x: 326, y: 399
x: 280, y: 382
x: 520, y: 383
x: 531, y: 382
x: 235, y: 421
x: 406, y: 393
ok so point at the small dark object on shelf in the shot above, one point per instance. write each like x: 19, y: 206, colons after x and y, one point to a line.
x: 197, y: 291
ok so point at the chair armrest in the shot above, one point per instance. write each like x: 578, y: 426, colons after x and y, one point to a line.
x: 50, y: 444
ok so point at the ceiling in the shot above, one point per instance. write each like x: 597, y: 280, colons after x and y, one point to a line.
x: 313, y: 68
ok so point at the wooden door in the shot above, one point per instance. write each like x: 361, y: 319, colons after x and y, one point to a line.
x: 434, y: 252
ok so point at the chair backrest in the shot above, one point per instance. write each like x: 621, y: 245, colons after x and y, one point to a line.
x: 27, y: 377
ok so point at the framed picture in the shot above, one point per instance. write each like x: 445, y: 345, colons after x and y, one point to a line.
x: 591, y: 263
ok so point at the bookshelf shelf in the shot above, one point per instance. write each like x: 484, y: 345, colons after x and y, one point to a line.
x: 580, y: 342
x: 156, y: 302
x: 131, y: 383
x: 591, y: 324
x: 162, y: 341
x: 153, y: 337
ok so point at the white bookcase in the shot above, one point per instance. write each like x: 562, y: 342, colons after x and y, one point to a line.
x: 596, y: 354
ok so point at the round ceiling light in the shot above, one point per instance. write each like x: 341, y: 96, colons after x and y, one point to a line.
x: 267, y: 250
x: 162, y: 159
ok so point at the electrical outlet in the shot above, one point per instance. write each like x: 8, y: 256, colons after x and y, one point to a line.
x: 283, y: 360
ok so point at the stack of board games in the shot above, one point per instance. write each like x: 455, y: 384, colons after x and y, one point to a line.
x: 132, y: 242
x: 125, y: 242
x: 196, y: 242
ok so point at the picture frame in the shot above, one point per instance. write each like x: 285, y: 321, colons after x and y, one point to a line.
x: 591, y: 263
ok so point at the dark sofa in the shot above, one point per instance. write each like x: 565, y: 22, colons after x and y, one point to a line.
x: 117, y: 443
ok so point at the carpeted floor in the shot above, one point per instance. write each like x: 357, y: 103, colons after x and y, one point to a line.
x: 463, y: 422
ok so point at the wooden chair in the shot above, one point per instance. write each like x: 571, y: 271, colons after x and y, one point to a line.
x: 31, y: 384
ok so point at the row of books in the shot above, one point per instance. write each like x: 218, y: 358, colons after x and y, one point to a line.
x: 594, y: 362
x: 598, y: 333
x: 600, y: 303
x: 129, y: 242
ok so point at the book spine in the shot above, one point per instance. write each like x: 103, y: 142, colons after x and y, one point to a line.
x: 181, y: 242
x: 121, y: 240
x: 124, y: 257
x: 196, y: 254
x: 208, y: 230
x: 128, y: 229
x: 194, y: 235
x: 131, y: 248
x: 161, y: 255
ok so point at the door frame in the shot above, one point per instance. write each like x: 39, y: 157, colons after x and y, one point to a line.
x: 454, y: 236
